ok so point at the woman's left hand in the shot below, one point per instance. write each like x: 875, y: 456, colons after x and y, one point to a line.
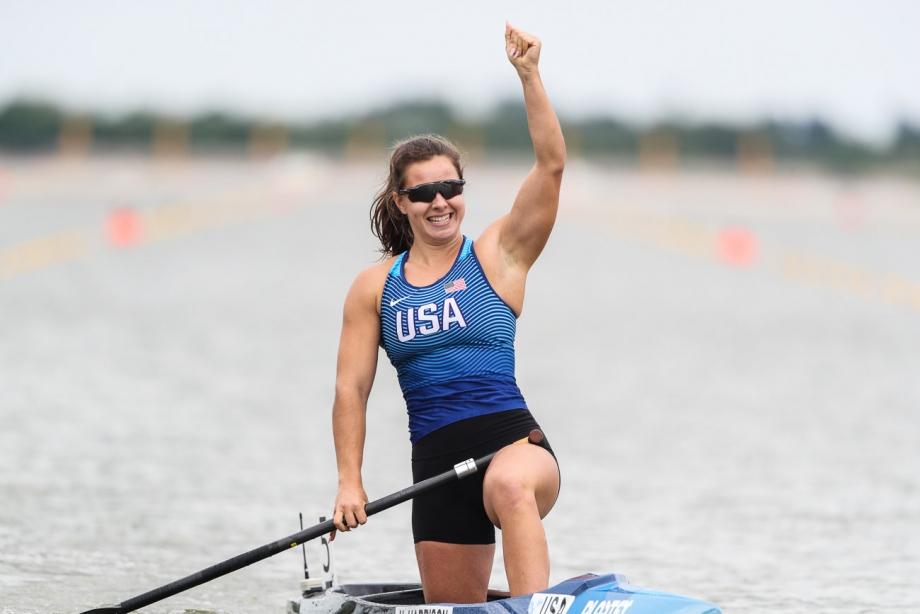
x: 523, y: 49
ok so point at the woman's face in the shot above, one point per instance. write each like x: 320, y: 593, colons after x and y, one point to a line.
x: 437, y: 221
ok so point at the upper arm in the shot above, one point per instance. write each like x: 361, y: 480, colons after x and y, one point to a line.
x: 357, y: 359
x: 523, y: 232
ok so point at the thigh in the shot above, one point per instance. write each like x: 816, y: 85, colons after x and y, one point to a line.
x: 454, y: 573
x: 521, y: 469
x: 451, y: 514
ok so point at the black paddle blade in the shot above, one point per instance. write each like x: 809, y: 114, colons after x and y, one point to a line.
x: 105, y: 609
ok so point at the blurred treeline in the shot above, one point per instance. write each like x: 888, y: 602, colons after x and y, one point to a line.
x: 34, y: 126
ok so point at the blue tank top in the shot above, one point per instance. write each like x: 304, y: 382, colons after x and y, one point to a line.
x: 452, y: 343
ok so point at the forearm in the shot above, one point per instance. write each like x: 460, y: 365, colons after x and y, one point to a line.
x: 545, y: 131
x: 349, y: 425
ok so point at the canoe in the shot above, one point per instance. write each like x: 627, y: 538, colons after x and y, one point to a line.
x: 587, y: 594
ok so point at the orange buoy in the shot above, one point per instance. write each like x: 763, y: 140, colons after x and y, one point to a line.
x: 124, y: 227
x: 737, y: 246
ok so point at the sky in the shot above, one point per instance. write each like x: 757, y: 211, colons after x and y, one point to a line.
x: 854, y: 64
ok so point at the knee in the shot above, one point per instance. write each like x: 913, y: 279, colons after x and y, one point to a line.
x: 508, y: 494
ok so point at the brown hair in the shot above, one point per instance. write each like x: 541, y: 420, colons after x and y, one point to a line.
x: 387, y: 222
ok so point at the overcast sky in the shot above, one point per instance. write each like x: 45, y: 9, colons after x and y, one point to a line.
x: 857, y: 64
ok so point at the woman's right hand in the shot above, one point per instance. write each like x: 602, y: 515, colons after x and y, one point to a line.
x: 523, y: 50
x: 349, y: 508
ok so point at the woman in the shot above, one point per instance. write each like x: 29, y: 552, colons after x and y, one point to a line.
x: 444, y: 309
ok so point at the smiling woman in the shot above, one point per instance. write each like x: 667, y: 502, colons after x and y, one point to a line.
x: 445, y: 308
x: 389, y: 221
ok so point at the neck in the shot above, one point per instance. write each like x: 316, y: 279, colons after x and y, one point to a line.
x: 432, y: 254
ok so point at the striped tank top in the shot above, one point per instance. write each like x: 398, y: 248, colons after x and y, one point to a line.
x: 452, y: 343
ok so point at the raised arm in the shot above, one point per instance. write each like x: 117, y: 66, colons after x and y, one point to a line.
x: 357, y: 364
x: 524, y: 231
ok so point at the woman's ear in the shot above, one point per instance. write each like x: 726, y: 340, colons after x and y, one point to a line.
x: 399, y: 205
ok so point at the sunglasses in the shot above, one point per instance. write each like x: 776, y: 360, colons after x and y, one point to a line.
x: 426, y: 192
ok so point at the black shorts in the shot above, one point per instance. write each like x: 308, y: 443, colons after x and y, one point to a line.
x: 454, y: 513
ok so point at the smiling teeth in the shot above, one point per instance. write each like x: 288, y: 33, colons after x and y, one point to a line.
x: 440, y: 218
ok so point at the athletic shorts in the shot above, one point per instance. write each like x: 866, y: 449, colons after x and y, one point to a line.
x: 454, y: 513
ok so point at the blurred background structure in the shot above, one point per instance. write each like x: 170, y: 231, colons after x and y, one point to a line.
x: 832, y: 84
x: 32, y: 126
x: 184, y: 194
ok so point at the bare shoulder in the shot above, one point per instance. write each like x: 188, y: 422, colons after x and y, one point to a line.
x: 488, y: 244
x: 367, y: 286
x: 506, y: 276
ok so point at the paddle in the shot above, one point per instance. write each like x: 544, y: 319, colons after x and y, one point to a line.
x: 460, y: 471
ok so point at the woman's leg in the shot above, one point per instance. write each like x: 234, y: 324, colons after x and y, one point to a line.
x: 519, y: 488
x: 454, y: 573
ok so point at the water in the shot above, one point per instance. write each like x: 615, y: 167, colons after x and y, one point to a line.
x: 739, y: 425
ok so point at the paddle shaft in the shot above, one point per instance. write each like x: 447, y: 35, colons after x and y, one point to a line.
x: 286, y: 543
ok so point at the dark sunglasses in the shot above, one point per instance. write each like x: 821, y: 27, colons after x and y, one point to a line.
x: 425, y: 192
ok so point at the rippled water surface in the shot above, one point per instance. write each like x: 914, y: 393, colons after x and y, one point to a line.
x: 728, y: 368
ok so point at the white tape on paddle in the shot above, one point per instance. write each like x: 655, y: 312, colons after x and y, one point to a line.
x: 465, y: 468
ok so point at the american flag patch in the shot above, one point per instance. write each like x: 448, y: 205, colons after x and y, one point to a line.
x: 455, y: 285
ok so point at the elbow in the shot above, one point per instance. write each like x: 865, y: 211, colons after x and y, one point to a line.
x: 553, y: 166
x: 349, y: 394
x: 553, y: 160
x: 558, y: 166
